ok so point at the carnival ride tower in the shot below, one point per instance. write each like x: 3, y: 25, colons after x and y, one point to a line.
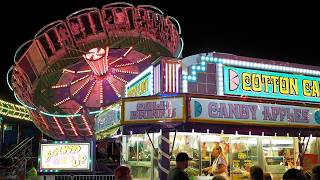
x: 74, y: 68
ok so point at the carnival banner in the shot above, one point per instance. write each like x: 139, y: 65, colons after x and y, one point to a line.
x: 223, y: 110
x: 108, y: 118
x: 157, y: 109
x: 267, y: 84
x: 141, y: 85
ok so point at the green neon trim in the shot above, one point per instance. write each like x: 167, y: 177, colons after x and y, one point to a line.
x: 8, y: 82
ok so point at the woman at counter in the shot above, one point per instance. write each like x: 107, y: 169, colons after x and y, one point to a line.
x: 219, y: 165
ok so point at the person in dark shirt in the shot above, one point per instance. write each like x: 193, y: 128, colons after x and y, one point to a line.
x: 178, y: 173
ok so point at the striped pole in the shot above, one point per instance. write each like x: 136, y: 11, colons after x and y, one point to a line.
x: 164, y: 160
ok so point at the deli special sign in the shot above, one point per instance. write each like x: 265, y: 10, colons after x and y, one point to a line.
x: 211, y: 110
x: 156, y: 109
x: 256, y: 83
x: 69, y: 156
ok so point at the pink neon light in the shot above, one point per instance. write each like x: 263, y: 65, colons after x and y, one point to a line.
x: 106, y: 59
x: 84, y: 71
x: 59, y: 86
x: 85, y: 83
x: 72, y: 126
x: 44, y: 121
x: 101, y: 92
x: 77, y: 80
x: 126, y: 72
x: 114, y: 88
x: 120, y: 79
x: 62, y: 101
x: 125, y: 54
x: 86, y: 124
x: 89, y: 92
x: 132, y: 63
x: 67, y: 70
x: 60, y: 128
x: 116, y: 60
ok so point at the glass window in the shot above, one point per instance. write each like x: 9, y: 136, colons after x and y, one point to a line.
x: 137, y: 153
x: 243, y: 156
x: 278, y: 153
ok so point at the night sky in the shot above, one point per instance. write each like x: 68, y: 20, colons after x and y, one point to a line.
x: 285, y: 32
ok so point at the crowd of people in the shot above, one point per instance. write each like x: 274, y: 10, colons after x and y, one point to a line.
x: 219, y: 170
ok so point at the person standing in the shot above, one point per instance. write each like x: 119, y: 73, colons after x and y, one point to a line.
x: 178, y: 173
x: 219, y: 165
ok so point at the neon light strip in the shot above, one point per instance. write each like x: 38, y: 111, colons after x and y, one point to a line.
x: 62, y: 101
x: 60, y: 128
x: 120, y: 79
x: 72, y: 126
x: 78, y: 110
x: 126, y: 72
x: 114, y: 88
x: 220, y: 79
x: 169, y: 73
x: 115, y: 60
x: 22, y: 103
x: 166, y: 76
x: 10, y: 110
x: 8, y: 81
x: 44, y: 121
x: 105, y: 59
x: 181, y: 49
x: 123, y: 65
x: 158, y: 79
x: 151, y: 85
x: 262, y: 66
x: 101, y: 92
x: 59, y: 86
x: 75, y: 81
x: 125, y: 54
x: 177, y: 78
x: 86, y: 124
x: 85, y: 83
x: 84, y: 71
x: 132, y: 63
x: 101, y: 72
x: 67, y: 70
x: 89, y: 92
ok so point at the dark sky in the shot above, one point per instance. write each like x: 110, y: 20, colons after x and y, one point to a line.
x: 286, y: 32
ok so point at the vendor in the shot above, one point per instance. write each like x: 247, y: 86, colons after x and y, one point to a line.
x: 219, y: 164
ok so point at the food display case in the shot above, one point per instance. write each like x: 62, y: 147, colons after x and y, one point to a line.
x: 140, y: 156
x: 244, y: 154
x: 280, y: 154
x: 273, y: 154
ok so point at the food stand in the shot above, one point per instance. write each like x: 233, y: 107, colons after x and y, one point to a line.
x: 267, y: 129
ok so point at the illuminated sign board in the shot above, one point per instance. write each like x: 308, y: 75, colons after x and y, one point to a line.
x: 256, y: 83
x: 65, y: 157
x: 108, y: 118
x: 251, y: 112
x: 142, y: 85
x: 156, y: 109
